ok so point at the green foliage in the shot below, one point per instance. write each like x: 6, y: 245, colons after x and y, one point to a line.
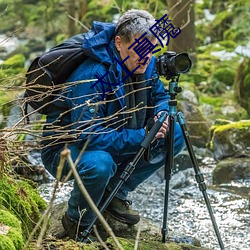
x: 16, y: 61
x: 12, y: 67
x: 214, y: 101
x: 224, y: 75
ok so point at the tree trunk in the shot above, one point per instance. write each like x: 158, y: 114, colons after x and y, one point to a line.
x: 72, y: 13
x: 83, y: 7
x: 183, y: 16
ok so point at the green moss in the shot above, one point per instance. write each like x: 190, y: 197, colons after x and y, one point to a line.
x: 6, y: 243
x: 128, y: 244
x: 16, y: 237
x: 235, y: 125
x: 22, y: 200
x: 212, y: 100
x: 14, y: 234
x: 9, y: 219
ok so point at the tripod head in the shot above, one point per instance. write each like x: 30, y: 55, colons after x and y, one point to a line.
x: 174, y: 89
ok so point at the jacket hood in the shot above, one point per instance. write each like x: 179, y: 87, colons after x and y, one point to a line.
x: 98, y: 43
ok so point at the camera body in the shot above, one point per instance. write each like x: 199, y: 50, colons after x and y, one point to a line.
x: 171, y: 65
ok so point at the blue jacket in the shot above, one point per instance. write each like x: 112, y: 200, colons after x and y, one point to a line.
x: 105, y: 132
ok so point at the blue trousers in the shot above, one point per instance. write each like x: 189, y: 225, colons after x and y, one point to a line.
x: 100, y: 170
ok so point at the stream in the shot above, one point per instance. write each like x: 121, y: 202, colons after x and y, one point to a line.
x: 187, y: 212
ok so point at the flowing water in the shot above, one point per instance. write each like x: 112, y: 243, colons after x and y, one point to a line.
x: 187, y: 212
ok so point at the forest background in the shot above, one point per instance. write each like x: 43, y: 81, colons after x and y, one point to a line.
x: 214, y: 33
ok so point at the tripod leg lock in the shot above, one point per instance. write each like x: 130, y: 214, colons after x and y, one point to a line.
x: 127, y: 172
x: 200, y: 180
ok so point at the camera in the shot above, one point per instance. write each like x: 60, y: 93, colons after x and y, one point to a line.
x: 172, y: 65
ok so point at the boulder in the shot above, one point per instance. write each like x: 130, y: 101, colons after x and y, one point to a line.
x: 150, y: 235
x: 231, y: 169
x: 232, y: 139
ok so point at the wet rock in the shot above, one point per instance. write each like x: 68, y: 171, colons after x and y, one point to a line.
x: 181, y: 179
x: 232, y: 139
x: 31, y: 167
x: 190, y: 96
x: 231, y: 169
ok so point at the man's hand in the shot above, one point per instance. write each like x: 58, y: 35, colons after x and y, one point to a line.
x: 164, y: 128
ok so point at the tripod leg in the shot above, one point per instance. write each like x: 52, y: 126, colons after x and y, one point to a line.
x: 129, y: 168
x: 168, y: 173
x: 199, y: 177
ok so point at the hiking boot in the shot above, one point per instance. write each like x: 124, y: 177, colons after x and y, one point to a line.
x: 121, y: 211
x: 75, y: 231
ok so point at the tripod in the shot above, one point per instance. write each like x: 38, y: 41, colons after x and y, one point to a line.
x: 169, y: 163
x: 173, y: 90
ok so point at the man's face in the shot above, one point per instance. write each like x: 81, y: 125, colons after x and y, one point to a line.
x: 132, y: 62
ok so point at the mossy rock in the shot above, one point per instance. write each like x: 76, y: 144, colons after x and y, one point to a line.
x: 150, y: 235
x: 10, y: 231
x: 128, y: 244
x: 224, y: 75
x: 232, y: 139
x: 231, y: 169
x: 22, y: 200
x: 221, y: 107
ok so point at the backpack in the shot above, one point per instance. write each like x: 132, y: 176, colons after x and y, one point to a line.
x: 48, y: 73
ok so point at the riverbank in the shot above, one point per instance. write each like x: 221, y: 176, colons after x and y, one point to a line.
x: 188, y: 215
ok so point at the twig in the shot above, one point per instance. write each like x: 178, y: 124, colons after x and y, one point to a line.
x: 137, y: 236
x: 77, y: 21
x: 99, y: 238
x: 188, y: 19
x: 66, y: 154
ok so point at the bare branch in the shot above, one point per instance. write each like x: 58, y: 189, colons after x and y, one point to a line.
x: 79, y: 22
x: 185, y: 6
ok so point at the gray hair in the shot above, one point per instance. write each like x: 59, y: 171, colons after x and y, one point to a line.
x: 135, y: 22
